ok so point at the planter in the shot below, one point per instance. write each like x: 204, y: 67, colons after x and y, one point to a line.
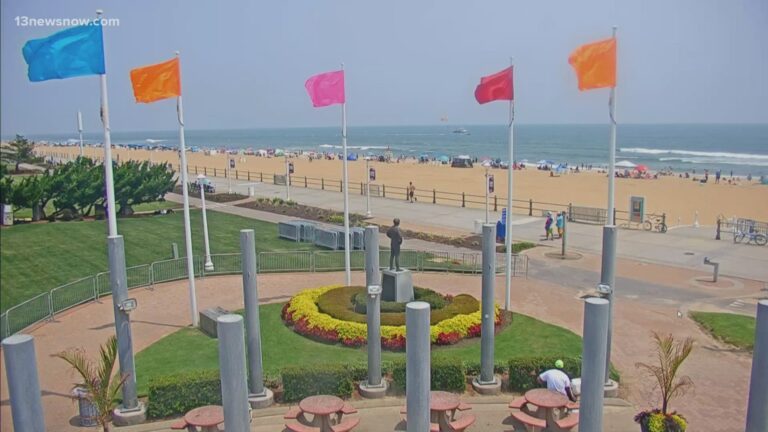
x: 657, y: 422
x: 86, y: 408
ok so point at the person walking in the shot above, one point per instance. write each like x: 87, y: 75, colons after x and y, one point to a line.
x: 548, y: 227
x: 411, y: 192
x: 396, y: 239
x: 560, y: 223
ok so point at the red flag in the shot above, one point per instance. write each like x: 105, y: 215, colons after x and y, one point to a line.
x: 495, y: 87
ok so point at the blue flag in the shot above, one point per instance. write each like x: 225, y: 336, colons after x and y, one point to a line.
x: 73, y: 52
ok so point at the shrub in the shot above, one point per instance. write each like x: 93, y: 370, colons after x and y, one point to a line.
x: 435, y: 300
x: 171, y: 395
x: 446, y: 374
x: 300, y: 382
x: 524, y: 371
x: 335, y: 219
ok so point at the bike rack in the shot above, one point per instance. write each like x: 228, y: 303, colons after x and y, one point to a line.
x: 716, y: 267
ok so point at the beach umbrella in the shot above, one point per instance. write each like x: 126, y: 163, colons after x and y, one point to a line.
x: 641, y: 168
x: 444, y: 159
x: 625, y: 164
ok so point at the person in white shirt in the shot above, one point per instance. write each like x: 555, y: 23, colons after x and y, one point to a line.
x: 557, y: 380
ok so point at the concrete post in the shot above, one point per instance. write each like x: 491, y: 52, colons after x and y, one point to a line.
x: 565, y: 232
x: 23, y: 384
x: 234, y: 390
x: 757, y: 405
x: 130, y: 412
x: 372, y: 275
x: 487, y: 383
x: 375, y: 387
x: 593, y: 364
x: 417, y: 366
x: 259, y: 397
x: 608, y: 277
x: 174, y: 251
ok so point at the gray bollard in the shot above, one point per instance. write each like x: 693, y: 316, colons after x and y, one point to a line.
x: 565, y: 232
x: 375, y: 387
x: 593, y: 364
x: 608, y: 277
x: 716, y: 268
x: 757, y: 404
x: 174, y: 251
x: 259, y: 397
x: 234, y: 390
x: 23, y: 384
x: 131, y: 411
x: 487, y: 382
x: 372, y: 275
x: 417, y: 366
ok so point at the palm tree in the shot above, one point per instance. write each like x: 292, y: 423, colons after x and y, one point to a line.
x: 670, y: 354
x: 100, y: 386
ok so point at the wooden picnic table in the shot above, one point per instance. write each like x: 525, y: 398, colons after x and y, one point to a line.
x: 322, y: 407
x: 442, y: 406
x: 550, y: 401
x: 207, y: 417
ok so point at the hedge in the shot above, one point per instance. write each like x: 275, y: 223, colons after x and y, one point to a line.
x: 176, y: 394
x: 435, y: 300
x: 300, y: 382
x: 446, y: 374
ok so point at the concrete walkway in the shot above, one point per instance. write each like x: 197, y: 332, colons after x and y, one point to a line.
x: 682, y: 246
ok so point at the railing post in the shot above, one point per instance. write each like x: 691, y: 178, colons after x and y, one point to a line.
x: 95, y: 290
x: 383, y: 191
x: 614, y: 215
x: 50, y: 305
x: 530, y: 207
x: 152, y: 275
x: 261, y: 177
x: 570, y: 211
x: 717, y: 235
x: 205, y: 171
x: 341, y: 186
x: 237, y: 175
x: 249, y: 175
x: 305, y: 182
x: 495, y: 203
x: 463, y: 203
x: 434, y: 196
x: 361, y: 188
x: 322, y: 183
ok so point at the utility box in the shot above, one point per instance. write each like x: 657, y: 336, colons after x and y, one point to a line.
x: 7, y: 214
x: 208, y: 319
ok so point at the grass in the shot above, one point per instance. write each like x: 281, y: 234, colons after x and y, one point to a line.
x: 26, y: 213
x: 189, y: 349
x: 38, y: 257
x: 734, y: 329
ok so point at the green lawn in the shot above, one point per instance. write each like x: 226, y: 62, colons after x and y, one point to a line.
x: 189, y: 349
x: 738, y: 330
x: 26, y: 213
x: 38, y: 257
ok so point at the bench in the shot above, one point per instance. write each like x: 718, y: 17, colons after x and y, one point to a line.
x: 181, y: 424
x: 568, y: 422
x: 572, y: 406
x: 298, y: 427
x: 348, y: 409
x: 518, y: 403
x: 464, y: 422
x: 528, y: 420
x: 346, y: 426
x: 434, y: 427
x: 293, y: 413
x: 463, y: 406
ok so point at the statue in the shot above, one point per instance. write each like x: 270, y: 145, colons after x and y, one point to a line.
x: 396, y: 239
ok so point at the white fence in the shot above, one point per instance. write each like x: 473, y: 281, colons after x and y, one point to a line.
x: 46, y: 305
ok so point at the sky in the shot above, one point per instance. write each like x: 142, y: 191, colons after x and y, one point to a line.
x: 244, y: 63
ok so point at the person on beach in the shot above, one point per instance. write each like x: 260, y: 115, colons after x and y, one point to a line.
x: 557, y: 380
x: 560, y: 223
x: 717, y: 176
x: 548, y: 227
x: 396, y: 239
x: 411, y: 192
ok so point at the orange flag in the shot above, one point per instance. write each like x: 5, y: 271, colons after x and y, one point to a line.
x: 155, y: 82
x: 595, y: 64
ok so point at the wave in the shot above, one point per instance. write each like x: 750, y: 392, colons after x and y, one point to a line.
x: 732, y: 161
x: 718, y: 155
x: 154, y: 141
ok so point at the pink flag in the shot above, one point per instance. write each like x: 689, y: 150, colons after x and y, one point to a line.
x: 326, y: 89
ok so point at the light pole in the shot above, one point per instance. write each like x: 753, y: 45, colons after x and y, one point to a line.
x: 287, y: 179
x: 368, y: 187
x: 80, y: 130
x: 201, y: 181
x: 487, y: 216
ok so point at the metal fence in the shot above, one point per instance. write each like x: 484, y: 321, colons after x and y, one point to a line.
x: 46, y: 305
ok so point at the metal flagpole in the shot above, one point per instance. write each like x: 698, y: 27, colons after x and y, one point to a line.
x: 347, y: 271
x: 117, y: 274
x: 486, y: 195
x: 187, y: 226
x: 508, y: 221
x: 608, y: 270
x: 287, y: 178
x: 368, y: 187
x: 80, y: 130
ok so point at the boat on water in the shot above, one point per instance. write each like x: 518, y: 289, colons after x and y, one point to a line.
x: 461, y: 131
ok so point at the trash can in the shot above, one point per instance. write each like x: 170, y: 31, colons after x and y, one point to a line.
x: 88, y: 413
x: 251, y: 191
x: 478, y: 226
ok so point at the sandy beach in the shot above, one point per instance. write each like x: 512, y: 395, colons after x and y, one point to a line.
x: 679, y: 198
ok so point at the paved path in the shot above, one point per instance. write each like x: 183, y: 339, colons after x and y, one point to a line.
x: 682, y: 246
x: 721, y: 374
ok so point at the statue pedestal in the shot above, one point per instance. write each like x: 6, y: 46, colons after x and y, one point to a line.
x: 397, y: 286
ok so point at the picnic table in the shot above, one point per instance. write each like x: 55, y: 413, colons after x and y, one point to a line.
x: 442, y: 406
x: 206, y: 417
x: 322, y: 407
x: 551, y: 404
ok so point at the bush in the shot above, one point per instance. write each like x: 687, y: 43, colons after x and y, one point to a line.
x: 435, y: 300
x: 172, y: 395
x: 338, y: 303
x: 446, y: 374
x: 524, y: 371
x: 300, y: 382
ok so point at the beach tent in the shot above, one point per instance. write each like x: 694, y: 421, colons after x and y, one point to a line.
x: 352, y: 157
x: 444, y: 159
x: 625, y: 164
x: 641, y: 168
x: 279, y: 152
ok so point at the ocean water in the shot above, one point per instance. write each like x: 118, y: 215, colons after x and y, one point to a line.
x: 742, y: 149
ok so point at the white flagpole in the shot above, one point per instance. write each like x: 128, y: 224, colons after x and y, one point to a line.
x: 508, y: 221
x: 80, y: 130
x: 187, y: 226
x: 347, y: 270
x: 287, y: 178
x: 612, y: 155
x: 109, y: 180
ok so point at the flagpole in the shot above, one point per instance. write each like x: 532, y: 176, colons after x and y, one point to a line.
x: 508, y: 221
x: 612, y: 150
x: 118, y: 280
x: 187, y: 226
x: 80, y: 130
x: 347, y: 271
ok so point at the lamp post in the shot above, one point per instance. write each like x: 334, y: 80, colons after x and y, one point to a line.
x: 287, y: 178
x: 201, y: 180
x: 368, y: 187
x: 487, y: 216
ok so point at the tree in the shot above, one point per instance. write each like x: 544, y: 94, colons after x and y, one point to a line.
x: 141, y: 182
x: 18, y: 151
x: 670, y: 355
x: 79, y: 185
x: 100, y: 386
x: 34, y: 192
x: 6, y: 185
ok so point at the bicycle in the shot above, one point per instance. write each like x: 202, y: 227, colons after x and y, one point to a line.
x: 751, y: 236
x: 656, y: 223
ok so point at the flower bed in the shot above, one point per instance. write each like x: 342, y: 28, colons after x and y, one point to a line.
x: 303, y: 314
